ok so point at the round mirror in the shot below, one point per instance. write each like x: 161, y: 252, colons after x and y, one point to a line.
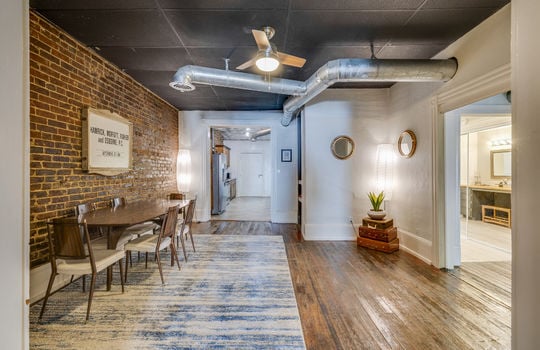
x: 407, y: 143
x: 342, y: 147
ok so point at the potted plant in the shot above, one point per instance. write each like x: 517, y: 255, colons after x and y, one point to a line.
x: 376, y: 200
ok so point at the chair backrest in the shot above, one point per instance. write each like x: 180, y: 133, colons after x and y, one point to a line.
x: 117, y: 202
x: 190, y: 212
x: 168, y: 228
x: 176, y: 196
x: 85, y: 208
x: 67, y: 238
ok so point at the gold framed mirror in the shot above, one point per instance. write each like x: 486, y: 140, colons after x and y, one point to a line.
x: 407, y: 143
x: 342, y: 147
x: 501, y: 164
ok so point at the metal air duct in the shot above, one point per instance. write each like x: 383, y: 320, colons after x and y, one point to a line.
x: 340, y: 70
x: 186, y: 76
x: 260, y: 133
x: 368, y: 70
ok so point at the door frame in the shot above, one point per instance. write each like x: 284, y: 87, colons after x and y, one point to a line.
x: 206, y: 145
x: 484, y: 86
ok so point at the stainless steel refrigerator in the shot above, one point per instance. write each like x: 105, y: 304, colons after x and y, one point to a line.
x: 219, y: 195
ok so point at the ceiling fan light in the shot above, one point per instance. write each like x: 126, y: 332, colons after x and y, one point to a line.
x: 267, y: 62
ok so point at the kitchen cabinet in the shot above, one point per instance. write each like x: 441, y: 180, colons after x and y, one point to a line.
x: 226, y: 151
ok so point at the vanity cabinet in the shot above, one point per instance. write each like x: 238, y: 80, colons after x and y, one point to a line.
x: 484, y: 195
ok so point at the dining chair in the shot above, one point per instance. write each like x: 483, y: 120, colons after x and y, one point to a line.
x: 71, y: 253
x: 184, y: 228
x: 145, y: 228
x: 176, y: 196
x: 156, y: 243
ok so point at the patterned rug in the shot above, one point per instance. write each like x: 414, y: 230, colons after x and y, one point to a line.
x: 235, y: 292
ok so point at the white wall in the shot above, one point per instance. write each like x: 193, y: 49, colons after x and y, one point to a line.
x: 14, y: 152
x: 263, y: 147
x: 283, y: 176
x: 484, y: 151
x: 526, y: 172
x: 335, y: 190
x: 411, y: 204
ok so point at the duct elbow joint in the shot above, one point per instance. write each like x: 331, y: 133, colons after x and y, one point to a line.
x: 182, y: 80
x: 286, y: 119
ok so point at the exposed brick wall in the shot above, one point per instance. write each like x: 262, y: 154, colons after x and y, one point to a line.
x: 65, y: 77
x: 218, y: 137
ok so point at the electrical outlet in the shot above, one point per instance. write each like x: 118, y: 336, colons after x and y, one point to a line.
x: 350, y: 219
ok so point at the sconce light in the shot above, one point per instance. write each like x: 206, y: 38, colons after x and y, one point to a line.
x: 500, y: 142
x: 183, y: 171
x: 385, y: 169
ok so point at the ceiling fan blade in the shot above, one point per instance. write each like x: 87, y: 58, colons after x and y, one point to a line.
x: 261, y: 39
x: 247, y: 64
x: 291, y: 60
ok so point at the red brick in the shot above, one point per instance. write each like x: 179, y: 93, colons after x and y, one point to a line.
x: 65, y: 78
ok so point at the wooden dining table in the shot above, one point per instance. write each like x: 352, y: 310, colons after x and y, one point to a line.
x: 114, y: 221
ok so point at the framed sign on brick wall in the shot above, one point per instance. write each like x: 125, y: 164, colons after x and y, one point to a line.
x: 107, y: 141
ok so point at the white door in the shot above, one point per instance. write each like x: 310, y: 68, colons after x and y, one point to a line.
x: 250, y: 181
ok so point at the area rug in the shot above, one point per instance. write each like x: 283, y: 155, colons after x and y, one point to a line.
x: 235, y: 292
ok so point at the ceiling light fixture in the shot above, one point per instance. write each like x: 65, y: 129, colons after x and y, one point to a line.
x: 267, y: 61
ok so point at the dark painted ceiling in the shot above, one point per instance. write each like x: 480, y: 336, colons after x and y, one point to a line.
x: 151, y: 39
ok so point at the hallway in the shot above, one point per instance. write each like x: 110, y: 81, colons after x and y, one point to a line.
x: 246, y: 209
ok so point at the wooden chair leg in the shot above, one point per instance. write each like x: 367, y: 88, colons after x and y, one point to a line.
x: 121, y: 273
x: 159, y: 267
x: 183, y: 246
x: 146, y: 261
x: 128, y: 257
x: 91, y: 294
x: 83, y: 283
x: 174, y: 253
x: 47, y: 294
x: 192, y: 243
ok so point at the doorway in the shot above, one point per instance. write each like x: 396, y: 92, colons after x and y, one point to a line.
x: 478, y: 145
x: 247, y: 172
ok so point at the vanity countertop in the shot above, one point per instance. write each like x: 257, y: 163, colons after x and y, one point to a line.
x: 490, y: 188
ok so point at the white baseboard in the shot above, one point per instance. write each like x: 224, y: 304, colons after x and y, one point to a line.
x: 414, y: 245
x: 39, y: 279
x: 329, y: 232
x: 201, y: 215
x: 283, y: 217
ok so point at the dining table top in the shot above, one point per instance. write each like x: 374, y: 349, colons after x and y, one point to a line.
x: 131, y: 213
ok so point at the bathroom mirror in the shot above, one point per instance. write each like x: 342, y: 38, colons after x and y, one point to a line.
x: 407, y: 143
x: 342, y: 147
x: 501, y: 164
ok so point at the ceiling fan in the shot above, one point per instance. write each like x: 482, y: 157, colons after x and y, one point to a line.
x: 268, y: 58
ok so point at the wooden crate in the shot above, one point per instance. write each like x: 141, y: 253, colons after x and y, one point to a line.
x: 378, y: 224
x: 387, y: 247
x: 386, y: 235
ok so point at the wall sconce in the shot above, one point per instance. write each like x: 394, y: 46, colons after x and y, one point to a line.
x: 183, y: 171
x: 385, y: 169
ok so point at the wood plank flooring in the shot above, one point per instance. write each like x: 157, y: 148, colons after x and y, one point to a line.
x: 355, y: 298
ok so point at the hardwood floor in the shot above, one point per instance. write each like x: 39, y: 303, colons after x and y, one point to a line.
x: 355, y: 298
